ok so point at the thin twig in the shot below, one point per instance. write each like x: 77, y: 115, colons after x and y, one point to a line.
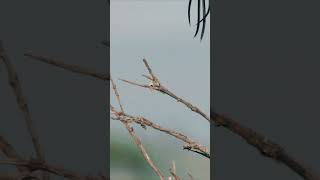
x: 154, y: 78
x: 7, y: 149
x: 72, y: 68
x: 35, y: 165
x: 156, y: 85
x: 143, y: 150
x: 21, y: 100
x: 264, y: 145
x: 133, y: 135
x: 173, y: 171
x: 117, y: 94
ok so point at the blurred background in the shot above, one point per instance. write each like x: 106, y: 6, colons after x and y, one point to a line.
x: 68, y: 110
x: 159, y: 31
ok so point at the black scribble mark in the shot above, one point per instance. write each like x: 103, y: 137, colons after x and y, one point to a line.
x: 202, y: 15
x: 204, y: 19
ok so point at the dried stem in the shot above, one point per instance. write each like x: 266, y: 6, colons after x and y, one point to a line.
x: 117, y: 94
x: 7, y: 149
x: 35, y: 165
x: 133, y: 135
x: 72, y: 68
x: 156, y: 85
x: 143, y: 150
x: 173, y: 171
x: 190, y: 145
x: 17, y: 89
x: 265, y: 146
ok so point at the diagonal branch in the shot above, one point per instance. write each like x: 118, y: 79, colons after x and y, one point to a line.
x: 117, y: 95
x: 22, y: 103
x: 265, y: 146
x: 133, y: 135
x: 156, y: 85
x: 190, y: 145
x: 7, y: 149
x: 173, y: 171
x: 143, y: 150
x: 72, y: 68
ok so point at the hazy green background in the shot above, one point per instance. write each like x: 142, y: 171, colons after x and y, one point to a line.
x: 159, y: 32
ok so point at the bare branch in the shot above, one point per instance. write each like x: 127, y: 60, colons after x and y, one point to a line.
x: 35, y: 165
x: 190, y: 145
x: 156, y: 85
x: 117, y: 94
x: 265, y: 146
x: 133, y: 83
x: 134, y: 136
x: 154, y: 78
x: 10, y: 152
x: 143, y: 150
x: 173, y: 171
x: 21, y: 100
x: 72, y: 68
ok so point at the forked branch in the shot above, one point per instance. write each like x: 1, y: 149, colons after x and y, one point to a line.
x: 156, y: 85
x: 265, y: 146
x: 130, y: 129
x: 15, y: 84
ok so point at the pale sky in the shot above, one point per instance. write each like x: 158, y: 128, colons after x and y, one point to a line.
x: 159, y: 31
